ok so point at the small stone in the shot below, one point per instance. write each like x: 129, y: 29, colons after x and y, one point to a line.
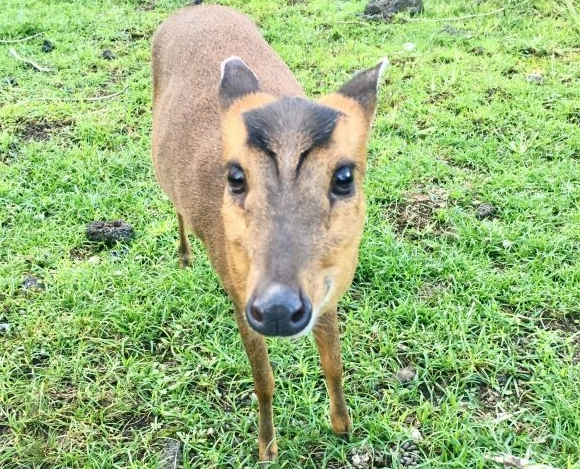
x: 452, y: 30
x: 537, y: 78
x: 108, y: 55
x: 39, y: 217
x: 4, y: 327
x: 171, y: 454
x: 409, y: 46
x: 31, y: 284
x: 109, y: 232
x: 93, y: 260
x: 506, y: 243
x: 485, y: 211
x: 119, y: 252
x: 416, y: 436
x: 47, y: 46
x: 406, y: 375
x: 361, y: 458
x: 10, y: 81
x: 406, y: 445
x: 210, y: 431
x: 478, y: 50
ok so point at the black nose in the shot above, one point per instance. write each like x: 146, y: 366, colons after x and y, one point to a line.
x: 278, y: 310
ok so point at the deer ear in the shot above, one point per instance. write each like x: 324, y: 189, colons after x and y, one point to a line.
x: 363, y: 88
x: 237, y: 80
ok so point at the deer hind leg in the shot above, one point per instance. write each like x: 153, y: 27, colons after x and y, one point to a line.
x: 257, y: 352
x: 328, y: 342
x: 184, y: 250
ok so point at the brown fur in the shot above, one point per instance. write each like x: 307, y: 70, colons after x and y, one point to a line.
x: 287, y: 228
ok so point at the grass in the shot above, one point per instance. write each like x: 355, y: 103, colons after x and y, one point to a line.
x: 119, y: 353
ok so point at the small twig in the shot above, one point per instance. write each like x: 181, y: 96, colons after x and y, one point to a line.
x: 24, y: 39
x: 32, y: 63
x: 372, y: 22
x: 79, y: 100
x: 361, y: 23
x: 459, y: 18
x: 100, y: 98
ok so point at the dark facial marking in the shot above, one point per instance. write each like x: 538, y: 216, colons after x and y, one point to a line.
x: 301, y: 159
x: 290, y: 123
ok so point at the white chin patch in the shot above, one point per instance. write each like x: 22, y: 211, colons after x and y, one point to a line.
x: 315, y: 315
x: 308, y: 328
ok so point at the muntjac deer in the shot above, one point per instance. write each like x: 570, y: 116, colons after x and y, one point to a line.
x: 271, y: 182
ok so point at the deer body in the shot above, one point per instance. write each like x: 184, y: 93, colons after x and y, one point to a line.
x: 269, y: 181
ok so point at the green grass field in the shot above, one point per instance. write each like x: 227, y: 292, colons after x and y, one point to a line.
x: 120, y: 360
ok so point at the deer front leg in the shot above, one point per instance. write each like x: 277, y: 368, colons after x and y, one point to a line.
x: 257, y: 352
x: 328, y: 342
x: 184, y: 250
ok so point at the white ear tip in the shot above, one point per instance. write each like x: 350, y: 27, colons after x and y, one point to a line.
x: 384, y: 64
x: 228, y: 60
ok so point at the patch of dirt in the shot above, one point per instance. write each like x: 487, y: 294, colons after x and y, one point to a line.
x: 109, y: 232
x: 386, y: 9
x: 434, y: 394
x: 417, y: 211
x: 495, y: 93
x: 429, y: 292
x: 147, y: 6
x: 510, y: 72
x: 9, y: 82
x: 317, y: 454
x: 133, y: 423
x: 478, y: 50
x: 533, y: 52
x: 223, y: 390
x: 489, y: 398
x: 573, y: 116
x: 502, y: 402
x: 40, y: 130
x: 40, y: 358
x: 82, y: 253
x: 438, y: 96
x: 9, y: 154
x: 569, y: 326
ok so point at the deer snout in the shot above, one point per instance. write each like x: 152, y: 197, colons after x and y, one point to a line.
x: 278, y: 310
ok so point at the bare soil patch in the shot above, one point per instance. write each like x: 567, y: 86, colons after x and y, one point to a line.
x: 41, y: 130
x: 417, y: 213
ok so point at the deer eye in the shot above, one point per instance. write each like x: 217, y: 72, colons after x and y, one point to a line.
x: 343, y: 181
x: 236, y: 179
